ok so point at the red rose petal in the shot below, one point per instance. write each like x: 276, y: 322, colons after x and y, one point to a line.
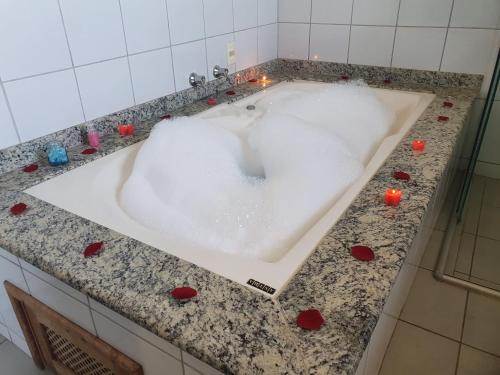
x: 447, y: 104
x: 387, y: 81
x: 212, y: 101
x: 18, y: 209
x: 184, y: 292
x: 93, y: 249
x: 166, y: 117
x: 253, y: 80
x: 400, y: 175
x: 344, y: 77
x: 443, y: 118
x: 310, y: 320
x: 230, y: 92
x: 89, y: 151
x: 363, y: 253
x: 30, y: 168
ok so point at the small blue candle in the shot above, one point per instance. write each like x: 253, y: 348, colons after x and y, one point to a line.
x: 56, y: 154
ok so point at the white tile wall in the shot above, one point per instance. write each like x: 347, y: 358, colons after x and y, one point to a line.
x: 186, y: 20
x: 152, y: 74
x: 425, y: 12
x: 8, y: 135
x: 443, y: 35
x: 268, y: 11
x: 468, y: 50
x: 146, y: 24
x: 44, y: 104
x: 32, y: 38
x: 375, y: 12
x: 268, y: 42
x: 105, y: 87
x: 329, y: 43
x: 371, y: 45
x: 293, y: 40
x: 418, y: 47
x: 294, y: 11
x: 245, y: 14
x: 218, y: 17
x: 331, y: 11
x: 246, y: 45
x: 477, y: 13
x: 94, y: 29
x: 119, y: 51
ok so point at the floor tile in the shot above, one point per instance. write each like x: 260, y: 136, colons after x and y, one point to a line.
x: 432, y: 250
x: 471, y: 217
x: 465, y: 253
x: 476, y: 362
x: 14, y: 361
x: 482, y: 323
x: 435, y: 306
x: 488, y: 223
x: 486, y: 263
x: 414, y: 351
x: 477, y: 189
x: 492, y: 193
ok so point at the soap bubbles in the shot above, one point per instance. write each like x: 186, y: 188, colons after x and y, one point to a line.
x: 250, y: 182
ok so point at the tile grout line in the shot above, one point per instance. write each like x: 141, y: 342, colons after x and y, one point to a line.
x: 205, y: 41
x: 446, y: 36
x: 11, y: 113
x: 462, y: 331
x: 170, y: 45
x: 395, y: 32
x: 126, y: 50
x: 350, y: 30
x: 310, y: 26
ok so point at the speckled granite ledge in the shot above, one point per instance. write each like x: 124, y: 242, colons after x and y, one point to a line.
x: 227, y: 325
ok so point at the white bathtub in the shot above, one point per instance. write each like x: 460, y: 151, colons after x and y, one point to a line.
x: 97, y: 198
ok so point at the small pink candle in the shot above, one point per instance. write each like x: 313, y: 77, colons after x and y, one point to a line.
x: 418, y: 145
x: 392, y: 197
x: 93, y: 138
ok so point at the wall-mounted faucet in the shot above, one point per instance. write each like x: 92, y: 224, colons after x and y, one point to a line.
x: 220, y: 72
x: 196, y: 80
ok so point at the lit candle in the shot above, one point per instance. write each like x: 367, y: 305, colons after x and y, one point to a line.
x: 392, y: 197
x: 125, y: 129
x: 418, y: 145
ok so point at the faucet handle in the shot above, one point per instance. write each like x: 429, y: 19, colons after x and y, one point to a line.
x: 196, y: 79
x: 220, y: 72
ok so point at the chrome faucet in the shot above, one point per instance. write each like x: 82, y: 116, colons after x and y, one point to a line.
x: 220, y: 72
x: 196, y: 80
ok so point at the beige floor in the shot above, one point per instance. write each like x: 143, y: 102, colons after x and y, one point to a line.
x: 444, y: 330
x: 14, y: 361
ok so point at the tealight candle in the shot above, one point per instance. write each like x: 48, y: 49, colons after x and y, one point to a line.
x: 392, y: 197
x: 125, y: 129
x: 418, y: 145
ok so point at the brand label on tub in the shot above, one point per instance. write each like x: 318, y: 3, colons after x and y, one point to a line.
x: 263, y: 287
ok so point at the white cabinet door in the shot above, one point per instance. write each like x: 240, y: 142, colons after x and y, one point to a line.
x: 11, y: 272
x: 153, y: 360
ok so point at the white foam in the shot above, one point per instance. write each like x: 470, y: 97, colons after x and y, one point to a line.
x: 248, y: 183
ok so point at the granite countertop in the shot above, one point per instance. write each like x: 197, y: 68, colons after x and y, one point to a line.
x: 228, y: 325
